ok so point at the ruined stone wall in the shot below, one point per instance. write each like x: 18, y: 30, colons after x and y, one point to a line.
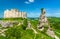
x: 13, y: 13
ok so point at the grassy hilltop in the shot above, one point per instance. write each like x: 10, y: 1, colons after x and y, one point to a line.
x: 20, y: 31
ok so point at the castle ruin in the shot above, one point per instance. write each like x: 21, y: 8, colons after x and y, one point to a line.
x: 14, y: 13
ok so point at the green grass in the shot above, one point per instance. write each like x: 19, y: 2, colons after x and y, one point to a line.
x: 20, y: 32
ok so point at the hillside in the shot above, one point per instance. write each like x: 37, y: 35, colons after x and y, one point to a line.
x: 19, y: 31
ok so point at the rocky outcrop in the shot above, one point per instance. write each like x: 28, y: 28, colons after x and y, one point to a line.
x: 29, y: 25
x: 8, y: 24
x: 43, y: 24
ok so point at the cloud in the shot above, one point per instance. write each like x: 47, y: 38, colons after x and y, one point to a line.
x: 29, y: 1
x: 26, y: 2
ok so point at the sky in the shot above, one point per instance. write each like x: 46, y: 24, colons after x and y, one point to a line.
x: 32, y: 7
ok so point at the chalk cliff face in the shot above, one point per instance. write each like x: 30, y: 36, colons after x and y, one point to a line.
x: 43, y: 19
x: 14, y: 13
x: 43, y: 24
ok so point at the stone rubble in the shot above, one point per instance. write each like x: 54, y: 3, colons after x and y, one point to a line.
x: 8, y: 24
x: 29, y: 25
x: 5, y: 25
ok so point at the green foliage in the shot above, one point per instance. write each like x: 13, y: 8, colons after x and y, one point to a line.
x: 45, y: 28
x: 28, y: 34
x: 54, y: 22
x: 34, y: 23
x: 1, y: 18
x: 13, y: 19
x: 20, y: 32
x: 16, y: 31
x: 0, y: 25
x: 13, y: 32
x: 1, y: 37
x: 24, y: 24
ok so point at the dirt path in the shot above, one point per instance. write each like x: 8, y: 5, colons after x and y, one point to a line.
x: 57, y: 37
x: 34, y: 30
